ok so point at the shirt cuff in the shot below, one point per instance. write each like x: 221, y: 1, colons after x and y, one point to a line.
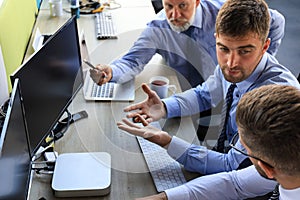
x: 172, y: 107
x: 177, y: 193
x: 177, y: 147
x: 115, y: 73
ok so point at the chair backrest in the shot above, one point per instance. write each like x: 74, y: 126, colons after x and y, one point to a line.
x: 157, y: 5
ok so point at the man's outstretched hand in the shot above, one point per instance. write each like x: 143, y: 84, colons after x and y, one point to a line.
x: 145, y: 130
x: 151, y: 109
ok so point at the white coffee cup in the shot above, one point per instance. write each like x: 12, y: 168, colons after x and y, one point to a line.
x: 55, y: 7
x: 160, y: 85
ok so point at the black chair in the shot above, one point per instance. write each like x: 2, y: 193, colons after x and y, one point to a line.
x: 157, y: 5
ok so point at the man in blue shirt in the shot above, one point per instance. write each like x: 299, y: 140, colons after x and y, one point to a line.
x: 183, y: 34
x: 269, y: 127
x: 241, y: 44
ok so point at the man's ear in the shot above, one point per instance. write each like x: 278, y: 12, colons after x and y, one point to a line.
x: 266, y: 45
x: 270, y: 172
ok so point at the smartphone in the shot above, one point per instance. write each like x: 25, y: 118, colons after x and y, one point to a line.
x: 89, y: 64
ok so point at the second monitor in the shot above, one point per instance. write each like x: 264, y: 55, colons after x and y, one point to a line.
x: 50, y: 79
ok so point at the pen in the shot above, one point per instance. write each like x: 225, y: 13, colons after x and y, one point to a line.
x: 93, y: 67
x: 89, y: 64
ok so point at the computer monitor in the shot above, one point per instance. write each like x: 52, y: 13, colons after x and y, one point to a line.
x: 15, y: 157
x: 49, y: 80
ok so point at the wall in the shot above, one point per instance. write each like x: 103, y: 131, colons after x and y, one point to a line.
x: 17, y: 18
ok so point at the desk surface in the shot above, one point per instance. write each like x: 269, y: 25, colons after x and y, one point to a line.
x: 130, y: 176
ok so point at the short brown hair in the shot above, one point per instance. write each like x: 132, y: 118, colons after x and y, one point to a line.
x: 269, y: 123
x: 237, y: 18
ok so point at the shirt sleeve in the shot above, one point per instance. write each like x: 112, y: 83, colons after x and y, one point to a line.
x: 276, y: 31
x: 195, y: 100
x: 133, y: 62
x: 202, y: 160
x: 240, y: 184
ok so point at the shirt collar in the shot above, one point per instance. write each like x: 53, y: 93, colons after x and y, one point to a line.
x: 245, y: 85
x: 288, y: 194
x: 198, y: 17
x: 197, y: 20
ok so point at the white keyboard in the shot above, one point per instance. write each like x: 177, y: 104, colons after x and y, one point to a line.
x: 165, y: 171
x: 105, y: 26
x: 106, y: 90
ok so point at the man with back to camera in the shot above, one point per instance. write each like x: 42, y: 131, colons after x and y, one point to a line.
x: 241, y: 43
x: 269, y: 129
x: 183, y: 34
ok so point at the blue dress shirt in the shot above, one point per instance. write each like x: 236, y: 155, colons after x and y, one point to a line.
x: 214, y: 89
x: 192, y: 53
x: 240, y: 184
x: 210, y: 93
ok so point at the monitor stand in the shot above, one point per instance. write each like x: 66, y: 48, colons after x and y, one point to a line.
x: 61, y: 125
x: 82, y: 174
x: 60, y: 128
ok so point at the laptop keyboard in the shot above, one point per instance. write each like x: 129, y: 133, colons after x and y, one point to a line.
x: 165, y: 171
x: 105, y: 26
x: 103, y: 91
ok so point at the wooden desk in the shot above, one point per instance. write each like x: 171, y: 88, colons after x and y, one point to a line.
x: 131, y: 17
x: 130, y: 176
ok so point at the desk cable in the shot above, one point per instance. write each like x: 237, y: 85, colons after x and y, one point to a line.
x: 112, y: 5
x: 47, y: 150
x: 44, y: 167
x: 59, y: 129
x: 93, y: 6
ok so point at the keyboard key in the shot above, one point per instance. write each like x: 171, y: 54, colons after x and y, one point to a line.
x: 165, y: 171
x: 105, y: 26
x: 106, y: 90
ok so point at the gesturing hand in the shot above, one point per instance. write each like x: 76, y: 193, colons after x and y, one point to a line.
x: 151, y: 109
x: 147, y: 131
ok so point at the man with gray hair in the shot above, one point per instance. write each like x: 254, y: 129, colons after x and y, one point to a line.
x: 183, y: 34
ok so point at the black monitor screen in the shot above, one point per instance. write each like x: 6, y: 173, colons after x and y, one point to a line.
x: 49, y: 80
x: 14, y: 151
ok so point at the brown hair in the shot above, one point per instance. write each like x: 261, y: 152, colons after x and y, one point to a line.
x: 269, y: 123
x: 237, y: 18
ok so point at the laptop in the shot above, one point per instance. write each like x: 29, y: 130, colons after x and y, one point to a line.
x: 110, y: 91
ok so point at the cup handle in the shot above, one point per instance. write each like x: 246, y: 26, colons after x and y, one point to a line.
x: 173, y: 88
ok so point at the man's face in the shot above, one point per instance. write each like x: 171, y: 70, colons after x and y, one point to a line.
x: 239, y: 56
x: 180, y: 13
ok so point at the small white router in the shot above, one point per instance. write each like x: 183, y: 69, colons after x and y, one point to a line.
x: 82, y: 174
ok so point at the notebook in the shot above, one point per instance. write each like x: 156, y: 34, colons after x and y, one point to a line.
x: 108, y: 92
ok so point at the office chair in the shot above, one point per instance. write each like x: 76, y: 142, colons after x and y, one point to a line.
x: 157, y: 5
